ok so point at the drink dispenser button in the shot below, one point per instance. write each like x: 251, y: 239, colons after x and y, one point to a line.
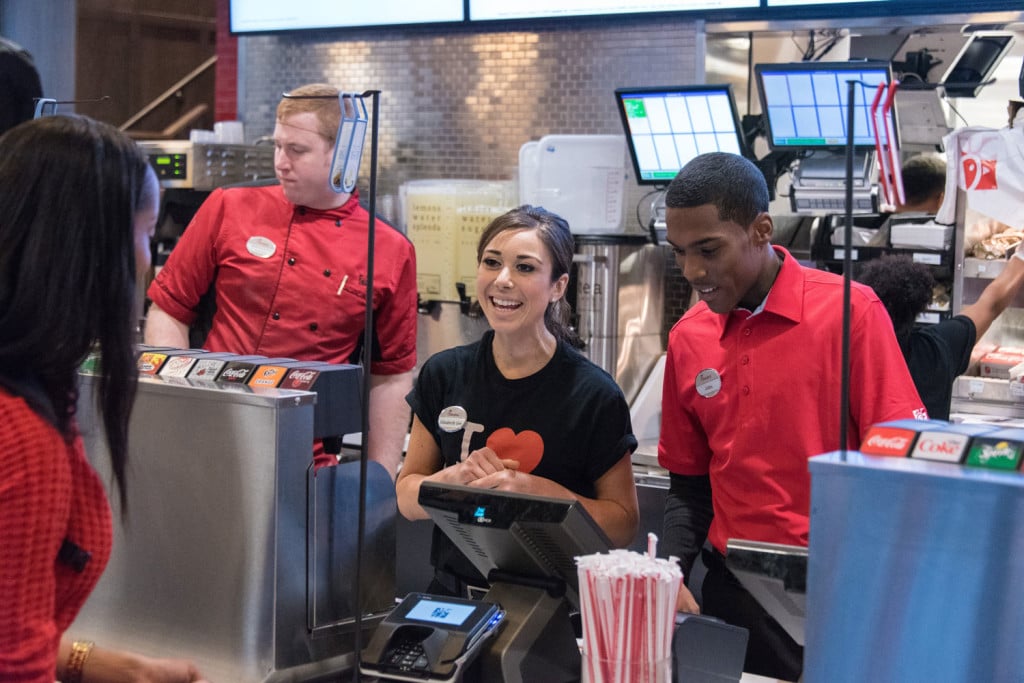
x: 338, y: 396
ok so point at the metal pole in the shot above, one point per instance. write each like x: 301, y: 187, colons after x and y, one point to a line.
x: 366, y: 360
x: 844, y: 399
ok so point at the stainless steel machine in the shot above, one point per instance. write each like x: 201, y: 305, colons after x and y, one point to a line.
x: 182, y: 164
x: 620, y: 302
x: 233, y: 552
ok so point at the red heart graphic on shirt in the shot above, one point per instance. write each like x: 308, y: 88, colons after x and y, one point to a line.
x: 527, y: 447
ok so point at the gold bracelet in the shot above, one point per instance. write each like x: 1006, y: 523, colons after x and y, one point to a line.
x: 80, y: 651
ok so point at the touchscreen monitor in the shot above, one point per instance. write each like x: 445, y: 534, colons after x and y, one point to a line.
x: 516, y: 534
x: 776, y: 575
x: 976, y: 62
x: 667, y: 127
x: 805, y: 103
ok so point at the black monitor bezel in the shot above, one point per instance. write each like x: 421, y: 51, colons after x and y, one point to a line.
x: 970, y: 61
x: 822, y: 67
x: 764, y: 11
x: 340, y: 24
x: 621, y: 94
x: 577, y: 532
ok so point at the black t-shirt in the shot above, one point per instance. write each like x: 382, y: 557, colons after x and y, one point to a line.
x: 938, y: 354
x: 571, y: 415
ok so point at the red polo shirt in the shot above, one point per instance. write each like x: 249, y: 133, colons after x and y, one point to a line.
x: 291, y: 281
x: 749, y: 398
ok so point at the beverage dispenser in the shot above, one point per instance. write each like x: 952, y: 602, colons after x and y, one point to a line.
x: 619, y: 276
x: 444, y: 220
x: 620, y: 303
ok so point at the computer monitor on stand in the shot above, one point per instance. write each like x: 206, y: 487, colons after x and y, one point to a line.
x: 668, y: 126
x: 806, y: 109
x: 776, y: 575
x: 526, y: 546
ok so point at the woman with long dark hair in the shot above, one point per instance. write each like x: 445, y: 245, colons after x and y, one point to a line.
x: 78, y: 204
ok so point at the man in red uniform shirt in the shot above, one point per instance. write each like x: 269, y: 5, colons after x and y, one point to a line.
x: 752, y: 389
x: 289, y: 265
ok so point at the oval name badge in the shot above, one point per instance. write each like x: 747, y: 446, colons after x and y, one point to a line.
x: 452, y: 419
x: 260, y: 247
x: 708, y: 382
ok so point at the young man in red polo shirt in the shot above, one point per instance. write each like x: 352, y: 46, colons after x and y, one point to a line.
x: 289, y: 265
x: 752, y: 388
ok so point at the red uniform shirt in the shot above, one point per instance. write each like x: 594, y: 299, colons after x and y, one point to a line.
x: 749, y: 398
x: 48, y: 493
x: 291, y: 281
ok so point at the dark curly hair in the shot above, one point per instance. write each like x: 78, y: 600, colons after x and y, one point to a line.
x: 905, y: 287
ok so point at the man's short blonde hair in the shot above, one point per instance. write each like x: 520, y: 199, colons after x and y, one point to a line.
x: 320, y: 99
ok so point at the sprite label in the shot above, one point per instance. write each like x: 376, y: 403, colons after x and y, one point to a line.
x: 995, y: 454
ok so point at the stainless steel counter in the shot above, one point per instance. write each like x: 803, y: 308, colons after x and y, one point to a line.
x: 233, y: 553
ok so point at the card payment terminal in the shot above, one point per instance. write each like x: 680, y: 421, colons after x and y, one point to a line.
x: 429, y: 637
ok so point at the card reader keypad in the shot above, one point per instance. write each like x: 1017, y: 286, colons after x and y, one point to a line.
x: 407, y: 655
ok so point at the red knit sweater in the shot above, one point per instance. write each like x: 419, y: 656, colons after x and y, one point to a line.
x: 48, y: 493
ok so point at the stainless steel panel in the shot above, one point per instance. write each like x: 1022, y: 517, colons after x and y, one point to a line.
x: 333, y: 511
x: 442, y: 325
x: 211, y: 560
x: 916, y: 572
x: 208, y: 166
x: 620, y: 299
x: 991, y: 397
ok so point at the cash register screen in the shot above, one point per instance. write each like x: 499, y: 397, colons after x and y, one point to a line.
x: 805, y: 103
x: 667, y: 127
x: 516, y: 534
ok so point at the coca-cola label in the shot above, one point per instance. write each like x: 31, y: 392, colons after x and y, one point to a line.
x: 995, y: 454
x: 300, y: 378
x: 942, y: 446
x: 235, y: 373
x: 888, y: 441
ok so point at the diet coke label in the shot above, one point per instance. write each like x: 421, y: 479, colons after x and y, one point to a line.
x: 890, y: 441
x: 942, y: 446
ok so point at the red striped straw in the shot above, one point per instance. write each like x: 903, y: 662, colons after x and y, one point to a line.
x: 627, y: 606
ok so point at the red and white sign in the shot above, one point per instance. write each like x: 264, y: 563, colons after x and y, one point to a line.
x: 891, y: 441
x: 942, y: 446
x: 988, y: 165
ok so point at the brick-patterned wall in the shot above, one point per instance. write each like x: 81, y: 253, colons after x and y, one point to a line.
x: 226, y: 92
x: 459, y: 101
